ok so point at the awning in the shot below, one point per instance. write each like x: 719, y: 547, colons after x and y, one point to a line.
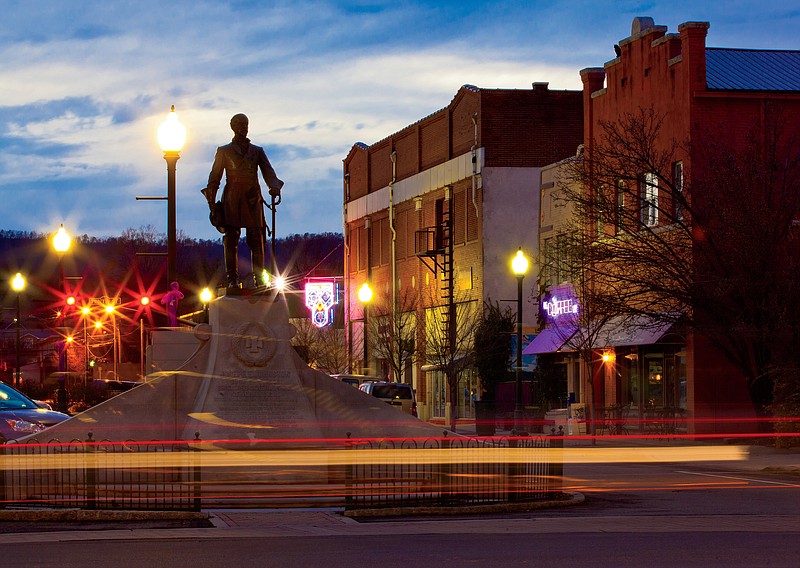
x: 460, y: 361
x: 641, y: 330
x: 550, y: 340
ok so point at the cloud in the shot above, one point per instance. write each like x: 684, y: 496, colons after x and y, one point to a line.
x: 86, y: 84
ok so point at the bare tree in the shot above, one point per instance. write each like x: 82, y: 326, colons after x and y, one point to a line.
x: 715, y: 249
x: 393, y: 332
x: 450, y: 344
x: 492, y: 345
x: 324, y: 348
x: 580, y: 330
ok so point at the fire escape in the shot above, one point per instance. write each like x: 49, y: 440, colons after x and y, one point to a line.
x: 434, y: 247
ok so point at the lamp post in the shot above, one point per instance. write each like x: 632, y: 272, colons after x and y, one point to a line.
x: 519, y: 265
x: 365, y: 297
x: 206, y: 296
x: 111, y: 311
x: 171, y: 137
x: 61, y: 243
x: 144, y: 301
x: 18, y: 285
x: 85, y: 312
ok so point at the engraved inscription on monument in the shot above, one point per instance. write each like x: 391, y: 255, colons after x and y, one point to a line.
x: 267, y: 401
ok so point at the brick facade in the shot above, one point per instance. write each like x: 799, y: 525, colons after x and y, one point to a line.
x: 452, y: 156
x: 668, y: 73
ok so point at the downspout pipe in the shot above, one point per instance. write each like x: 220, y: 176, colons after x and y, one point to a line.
x: 394, y: 239
x: 475, y: 162
x: 347, y: 266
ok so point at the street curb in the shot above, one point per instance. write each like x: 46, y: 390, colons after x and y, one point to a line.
x: 80, y: 515
x: 574, y: 499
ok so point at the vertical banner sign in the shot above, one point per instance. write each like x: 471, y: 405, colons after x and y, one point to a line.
x: 321, y: 296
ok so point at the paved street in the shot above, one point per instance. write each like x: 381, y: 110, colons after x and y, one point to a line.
x: 316, y: 538
x: 651, y: 514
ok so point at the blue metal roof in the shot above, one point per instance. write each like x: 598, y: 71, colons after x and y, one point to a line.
x: 752, y: 69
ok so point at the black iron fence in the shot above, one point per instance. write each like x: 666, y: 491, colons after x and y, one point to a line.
x: 359, y: 473
x: 453, y: 471
x: 101, y: 475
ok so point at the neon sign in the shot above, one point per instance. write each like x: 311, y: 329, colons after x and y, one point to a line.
x: 321, y: 296
x: 561, y: 302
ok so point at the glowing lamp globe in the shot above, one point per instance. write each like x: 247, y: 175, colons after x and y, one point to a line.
x: 171, y: 133
x: 18, y: 282
x: 364, y: 293
x: 519, y: 264
x: 61, y: 240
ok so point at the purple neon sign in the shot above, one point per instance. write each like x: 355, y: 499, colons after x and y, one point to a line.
x: 560, y: 304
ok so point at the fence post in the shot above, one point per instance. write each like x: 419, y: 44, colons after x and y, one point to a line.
x: 91, y: 473
x: 555, y: 465
x: 444, y: 472
x: 348, y: 475
x: 3, y: 492
x: 513, y: 468
x: 196, y: 469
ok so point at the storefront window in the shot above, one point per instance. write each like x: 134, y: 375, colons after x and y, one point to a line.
x: 654, y: 375
x: 438, y: 392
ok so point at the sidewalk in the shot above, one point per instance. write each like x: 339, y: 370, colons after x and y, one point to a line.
x: 321, y: 520
x: 758, y: 458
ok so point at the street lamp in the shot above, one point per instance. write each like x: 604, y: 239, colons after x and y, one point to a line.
x: 519, y: 266
x: 111, y: 311
x: 18, y: 285
x: 61, y: 240
x: 61, y: 243
x: 365, y: 297
x: 206, y: 296
x: 85, y: 312
x: 171, y: 137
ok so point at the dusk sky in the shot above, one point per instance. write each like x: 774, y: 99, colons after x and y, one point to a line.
x: 84, y: 86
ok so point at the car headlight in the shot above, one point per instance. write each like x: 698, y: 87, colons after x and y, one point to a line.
x: 23, y: 426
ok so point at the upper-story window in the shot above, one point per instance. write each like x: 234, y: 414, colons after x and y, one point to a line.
x: 620, y: 212
x: 649, y: 199
x: 677, y: 182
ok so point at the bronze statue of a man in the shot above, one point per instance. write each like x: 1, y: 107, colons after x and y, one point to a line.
x: 242, y: 202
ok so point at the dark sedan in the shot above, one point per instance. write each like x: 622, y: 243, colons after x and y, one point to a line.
x: 20, y: 416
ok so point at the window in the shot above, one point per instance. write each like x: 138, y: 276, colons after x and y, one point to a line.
x: 562, y: 264
x: 459, y: 212
x: 400, y: 222
x: 386, y: 241
x: 381, y: 242
x: 620, y: 213
x: 362, y: 247
x: 649, y: 197
x: 600, y: 211
x: 547, y: 268
x: 472, y: 218
x: 677, y: 182
x: 439, y: 223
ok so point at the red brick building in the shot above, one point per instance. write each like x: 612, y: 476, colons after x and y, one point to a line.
x: 703, y: 93
x: 434, y: 213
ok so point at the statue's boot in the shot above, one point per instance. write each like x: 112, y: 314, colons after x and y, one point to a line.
x: 256, y: 244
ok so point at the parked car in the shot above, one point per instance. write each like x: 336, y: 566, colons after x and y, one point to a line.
x: 20, y: 416
x: 400, y: 395
x: 355, y: 380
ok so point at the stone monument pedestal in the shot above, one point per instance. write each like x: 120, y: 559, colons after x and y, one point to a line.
x: 244, y: 383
